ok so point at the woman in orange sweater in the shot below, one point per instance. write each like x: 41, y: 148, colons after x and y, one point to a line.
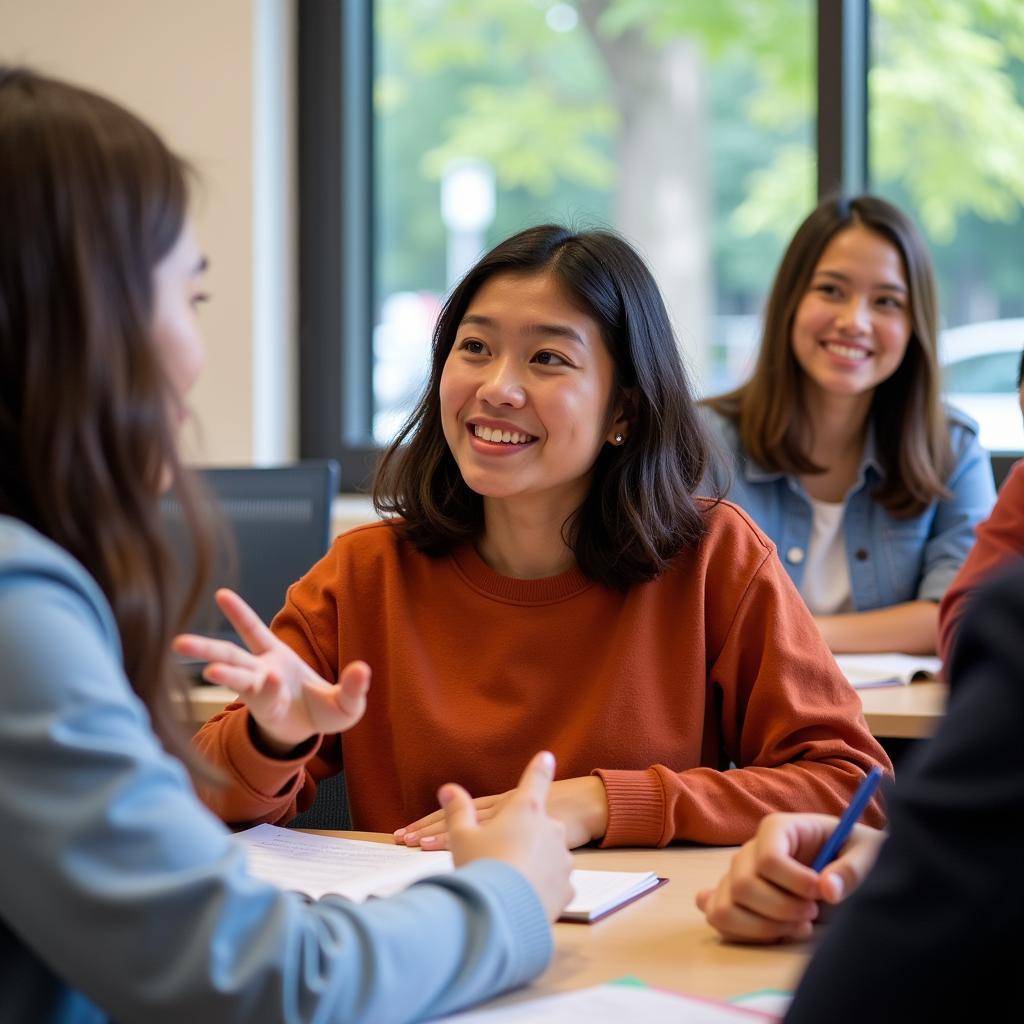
x: 545, y: 578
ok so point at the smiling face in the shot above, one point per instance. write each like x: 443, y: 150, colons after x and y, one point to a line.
x: 526, y: 392
x: 852, y: 326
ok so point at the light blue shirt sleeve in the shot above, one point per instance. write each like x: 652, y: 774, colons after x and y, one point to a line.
x: 972, y: 495
x: 122, y: 898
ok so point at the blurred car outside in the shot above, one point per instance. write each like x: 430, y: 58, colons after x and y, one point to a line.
x: 980, y: 363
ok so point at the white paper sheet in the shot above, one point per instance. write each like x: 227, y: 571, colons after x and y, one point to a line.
x: 322, y: 865
x: 887, y: 669
x: 318, y: 865
x: 613, y: 1004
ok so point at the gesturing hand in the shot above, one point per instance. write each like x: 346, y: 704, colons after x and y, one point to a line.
x: 288, y: 700
x: 520, y: 833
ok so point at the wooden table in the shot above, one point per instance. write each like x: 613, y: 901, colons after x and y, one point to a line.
x: 662, y: 938
x: 907, y: 712
x: 207, y: 701
x: 910, y: 712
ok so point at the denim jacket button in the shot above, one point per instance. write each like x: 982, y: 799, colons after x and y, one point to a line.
x: 861, y: 554
x: 795, y: 555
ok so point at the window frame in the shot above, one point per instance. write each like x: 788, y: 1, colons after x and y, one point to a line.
x: 337, y: 199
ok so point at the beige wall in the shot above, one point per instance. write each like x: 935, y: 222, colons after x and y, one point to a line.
x: 193, y: 69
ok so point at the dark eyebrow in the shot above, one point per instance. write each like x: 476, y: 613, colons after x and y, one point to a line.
x: 558, y: 330
x: 546, y: 330
x: 202, y: 265
x: 885, y: 285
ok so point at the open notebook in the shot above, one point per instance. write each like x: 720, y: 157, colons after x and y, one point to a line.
x: 327, y: 865
x: 867, y: 670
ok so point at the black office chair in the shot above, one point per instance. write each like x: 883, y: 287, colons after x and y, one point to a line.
x: 330, y: 807
x: 277, y: 523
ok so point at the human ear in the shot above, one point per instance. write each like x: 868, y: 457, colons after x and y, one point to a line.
x: 623, y: 416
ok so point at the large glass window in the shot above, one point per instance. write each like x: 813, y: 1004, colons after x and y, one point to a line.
x: 687, y: 127
x: 947, y: 143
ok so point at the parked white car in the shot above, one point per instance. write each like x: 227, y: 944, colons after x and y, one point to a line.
x: 980, y: 363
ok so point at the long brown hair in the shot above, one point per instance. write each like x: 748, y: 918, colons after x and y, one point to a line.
x: 640, y: 510
x: 906, y: 409
x: 90, y: 201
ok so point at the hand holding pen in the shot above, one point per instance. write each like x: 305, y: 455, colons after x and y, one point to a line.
x: 773, y: 890
x: 860, y: 801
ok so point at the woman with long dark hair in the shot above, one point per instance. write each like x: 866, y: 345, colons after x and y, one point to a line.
x: 121, y: 897
x: 839, y: 446
x: 547, y: 574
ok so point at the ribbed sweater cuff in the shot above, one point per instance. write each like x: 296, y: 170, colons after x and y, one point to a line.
x: 259, y: 773
x: 636, y: 807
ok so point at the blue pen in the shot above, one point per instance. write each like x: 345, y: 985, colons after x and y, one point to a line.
x: 865, y: 791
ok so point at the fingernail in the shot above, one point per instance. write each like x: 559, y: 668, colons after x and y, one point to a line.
x: 547, y: 759
x: 399, y: 833
x: 428, y: 841
x: 411, y: 837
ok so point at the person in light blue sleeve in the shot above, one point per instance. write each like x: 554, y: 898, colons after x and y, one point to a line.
x: 121, y: 897
x: 839, y: 446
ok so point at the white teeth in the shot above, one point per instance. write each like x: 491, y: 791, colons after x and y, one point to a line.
x: 500, y: 436
x: 845, y: 351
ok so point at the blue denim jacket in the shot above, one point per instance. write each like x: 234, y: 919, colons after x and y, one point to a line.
x: 890, y: 560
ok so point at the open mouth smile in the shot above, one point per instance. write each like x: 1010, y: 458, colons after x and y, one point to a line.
x: 509, y: 438
x: 851, y: 353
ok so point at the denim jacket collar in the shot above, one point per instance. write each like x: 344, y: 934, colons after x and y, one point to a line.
x: 868, y: 460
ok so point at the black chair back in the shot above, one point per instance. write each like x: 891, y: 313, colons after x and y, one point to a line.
x: 277, y: 525
x: 1002, y: 463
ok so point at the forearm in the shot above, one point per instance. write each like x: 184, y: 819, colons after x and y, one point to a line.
x: 259, y: 787
x: 704, y: 805
x: 135, y: 896
x: 191, y: 936
x: 911, y: 628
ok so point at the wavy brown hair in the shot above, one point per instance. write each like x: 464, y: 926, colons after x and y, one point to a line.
x: 90, y: 201
x: 906, y: 410
x: 640, y: 510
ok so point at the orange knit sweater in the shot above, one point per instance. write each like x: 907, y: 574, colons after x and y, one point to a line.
x: 703, y: 699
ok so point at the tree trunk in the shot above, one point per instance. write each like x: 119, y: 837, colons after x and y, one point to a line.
x: 663, y: 203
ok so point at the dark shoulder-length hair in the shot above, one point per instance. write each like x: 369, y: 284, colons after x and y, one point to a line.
x: 906, y: 410
x: 640, y: 510
x: 90, y: 201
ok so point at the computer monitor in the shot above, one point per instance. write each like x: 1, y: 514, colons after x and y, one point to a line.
x: 1002, y: 463
x: 277, y: 525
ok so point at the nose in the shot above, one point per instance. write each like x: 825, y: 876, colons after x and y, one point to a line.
x: 502, y: 385
x: 855, y: 315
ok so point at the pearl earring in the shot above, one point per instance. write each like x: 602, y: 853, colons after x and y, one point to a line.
x: 619, y: 438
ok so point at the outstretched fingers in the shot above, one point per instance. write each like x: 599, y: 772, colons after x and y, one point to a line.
x: 251, y: 628
x: 351, y: 691
x: 205, y: 648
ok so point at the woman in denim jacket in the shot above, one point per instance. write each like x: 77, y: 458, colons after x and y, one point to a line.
x: 839, y: 447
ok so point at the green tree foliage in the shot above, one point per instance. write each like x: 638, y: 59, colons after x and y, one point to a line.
x: 509, y: 82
